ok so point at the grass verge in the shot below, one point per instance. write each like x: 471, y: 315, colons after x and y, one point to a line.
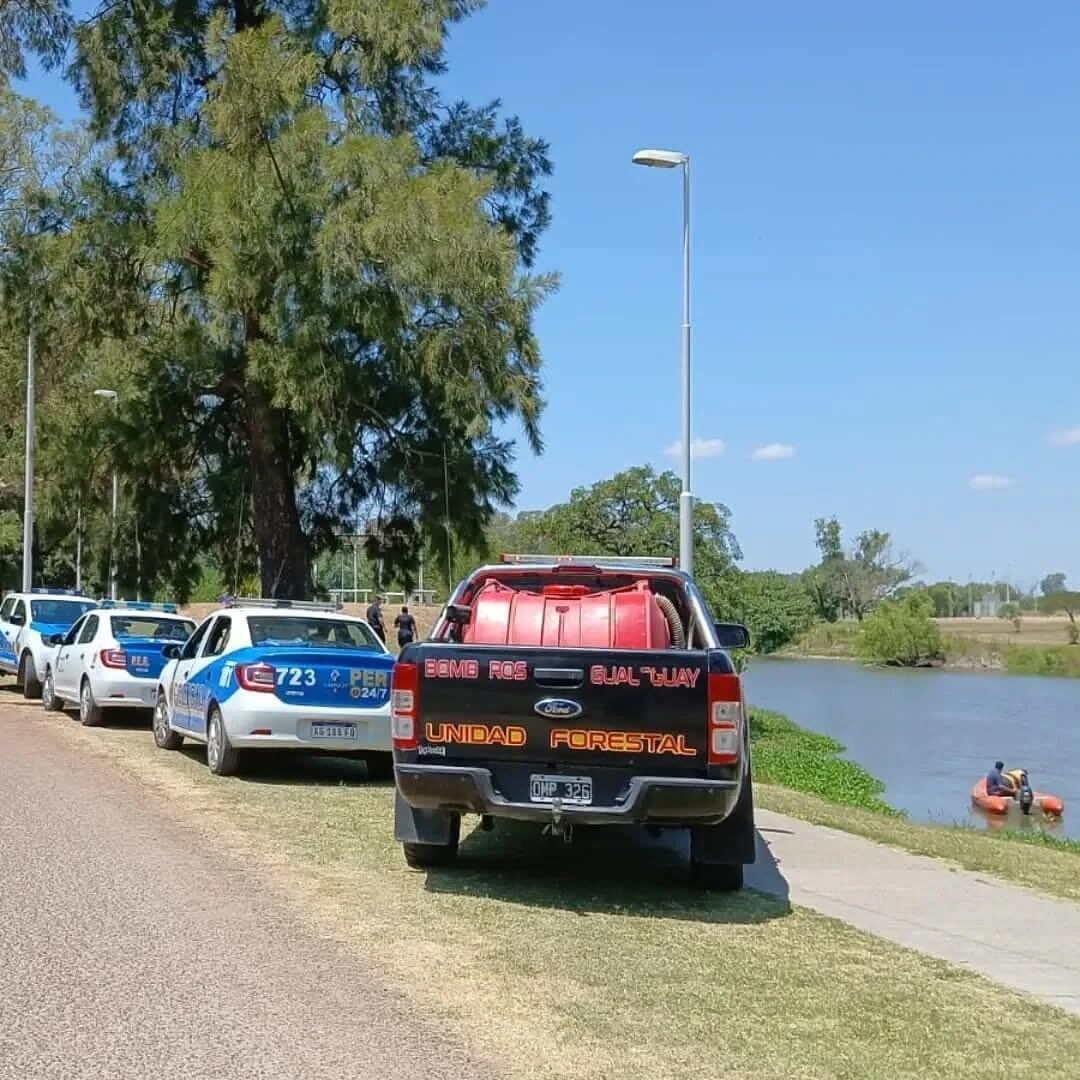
x: 595, y: 961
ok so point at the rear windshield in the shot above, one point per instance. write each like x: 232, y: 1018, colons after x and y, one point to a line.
x: 146, y: 626
x: 61, y: 612
x: 312, y: 631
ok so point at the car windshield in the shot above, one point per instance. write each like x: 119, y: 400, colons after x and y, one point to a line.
x: 312, y: 631
x: 146, y: 626
x: 59, y: 612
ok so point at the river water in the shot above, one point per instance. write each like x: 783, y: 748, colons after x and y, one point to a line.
x: 929, y: 735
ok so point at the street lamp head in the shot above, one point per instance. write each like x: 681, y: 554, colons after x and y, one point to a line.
x: 660, y: 159
x: 110, y: 394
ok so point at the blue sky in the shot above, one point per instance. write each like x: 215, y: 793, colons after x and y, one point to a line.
x: 886, y: 228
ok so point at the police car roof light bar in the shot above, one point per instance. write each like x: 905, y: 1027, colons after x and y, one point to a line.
x: 140, y: 605
x: 302, y: 605
x: 640, y: 561
x: 57, y: 592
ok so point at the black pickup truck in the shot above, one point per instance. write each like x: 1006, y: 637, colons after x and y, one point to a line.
x: 575, y: 691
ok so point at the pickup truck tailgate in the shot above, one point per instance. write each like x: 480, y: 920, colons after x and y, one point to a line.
x: 562, y: 709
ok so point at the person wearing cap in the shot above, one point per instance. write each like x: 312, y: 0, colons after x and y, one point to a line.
x: 998, y: 782
x: 375, y: 620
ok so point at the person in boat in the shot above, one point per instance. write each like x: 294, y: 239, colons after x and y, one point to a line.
x: 999, y: 782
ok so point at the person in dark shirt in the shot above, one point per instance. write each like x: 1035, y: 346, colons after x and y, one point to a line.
x: 406, y: 627
x: 374, y: 618
x: 997, y: 783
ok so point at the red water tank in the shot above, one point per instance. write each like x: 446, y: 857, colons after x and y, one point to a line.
x: 568, y: 615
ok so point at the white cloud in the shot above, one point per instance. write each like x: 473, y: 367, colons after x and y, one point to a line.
x: 774, y: 451
x: 988, y: 481
x: 1065, y: 437
x: 699, y: 448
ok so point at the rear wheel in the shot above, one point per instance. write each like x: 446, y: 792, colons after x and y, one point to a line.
x: 164, y: 736
x: 31, y: 686
x: 719, y: 852
x: 222, y: 757
x: 430, y: 856
x: 49, y: 701
x: 89, y: 709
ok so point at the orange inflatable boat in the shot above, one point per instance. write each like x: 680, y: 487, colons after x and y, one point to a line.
x: 1001, y: 804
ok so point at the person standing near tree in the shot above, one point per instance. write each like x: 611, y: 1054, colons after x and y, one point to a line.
x: 375, y: 620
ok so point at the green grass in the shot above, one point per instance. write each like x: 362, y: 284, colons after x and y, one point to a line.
x: 836, y: 640
x: 793, y: 757
x: 595, y: 960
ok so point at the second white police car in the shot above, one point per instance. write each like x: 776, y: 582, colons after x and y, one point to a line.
x: 276, y: 674
x: 111, y: 658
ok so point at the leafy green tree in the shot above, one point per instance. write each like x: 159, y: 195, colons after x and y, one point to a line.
x: 901, y: 632
x: 1067, y: 602
x: 636, y: 512
x: 775, y: 607
x: 324, y: 310
x: 1052, y: 584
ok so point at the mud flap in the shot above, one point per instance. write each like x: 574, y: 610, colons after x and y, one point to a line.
x: 413, y: 826
x: 733, y: 840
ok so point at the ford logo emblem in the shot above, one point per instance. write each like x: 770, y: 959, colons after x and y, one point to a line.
x: 557, y: 709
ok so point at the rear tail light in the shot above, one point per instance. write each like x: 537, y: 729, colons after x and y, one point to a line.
x: 725, y: 719
x: 113, y: 658
x: 403, y: 694
x: 257, y: 677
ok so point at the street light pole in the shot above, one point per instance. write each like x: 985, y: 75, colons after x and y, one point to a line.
x: 113, y: 396
x: 28, y: 477
x: 669, y: 159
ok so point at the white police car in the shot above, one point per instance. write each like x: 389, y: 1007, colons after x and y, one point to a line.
x: 26, y: 620
x: 111, y: 658
x: 275, y: 674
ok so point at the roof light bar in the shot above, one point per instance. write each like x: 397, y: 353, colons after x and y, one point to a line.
x: 57, y: 592
x: 140, y: 605
x: 301, y: 605
x: 644, y: 561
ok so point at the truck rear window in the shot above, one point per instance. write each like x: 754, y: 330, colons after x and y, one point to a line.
x: 312, y: 632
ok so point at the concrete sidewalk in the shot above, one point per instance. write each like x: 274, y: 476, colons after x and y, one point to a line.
x: 1009, y: 933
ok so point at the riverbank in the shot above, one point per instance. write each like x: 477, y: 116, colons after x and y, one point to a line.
x: 802, y: 774
x: 1038, y: 648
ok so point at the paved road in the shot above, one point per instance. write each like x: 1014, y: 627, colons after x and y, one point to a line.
x: 1006, y: 932
x: 127, y: 951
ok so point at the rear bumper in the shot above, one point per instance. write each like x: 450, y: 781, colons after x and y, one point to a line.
x: 120, y: 690
x: 655, y: 799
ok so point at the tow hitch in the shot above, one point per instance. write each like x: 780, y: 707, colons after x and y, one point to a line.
x: 559, y: 825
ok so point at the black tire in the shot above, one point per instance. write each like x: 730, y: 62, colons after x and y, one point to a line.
x: 222, y: 757
x: 49, y: 701
x: 164, y: 737
x: 380, y: 766
x: 432, y: 856
x: 719, y: 852
x: 90, y: 713
x: 31, y: 685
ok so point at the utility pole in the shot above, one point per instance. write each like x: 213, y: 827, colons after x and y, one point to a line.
x: 78, y: 548
x: 28, y: 478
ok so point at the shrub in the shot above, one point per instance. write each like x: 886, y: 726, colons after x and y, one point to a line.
x: 901, y: 632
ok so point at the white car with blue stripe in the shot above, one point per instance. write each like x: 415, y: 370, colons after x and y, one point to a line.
x: 26, y: 620
x: 111, y: 658
x: 274, y: 674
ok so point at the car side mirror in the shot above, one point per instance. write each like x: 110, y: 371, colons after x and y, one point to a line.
x: 730, y: 635
x: 18, y: 620
x: 55, y: 639
x: 172, y: 651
